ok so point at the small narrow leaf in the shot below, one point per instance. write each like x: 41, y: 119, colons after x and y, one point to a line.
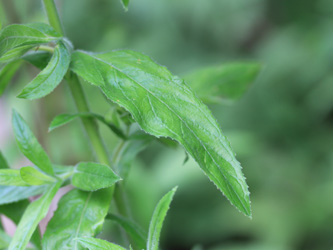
x: 16, y: 39
x: 98, y: 244
x: 34, y: 213
x: 226, y: 82
x: 63, y: 119
x: 11, y: 177
x: 6, y: 74
x: 34, y: 177
x: 125, y: 4
x: 11, y: 194
x: 29, y: 145
x: 3, y: 162
x: 163, y: 105
x: 49, y: 78
x: 79, y: 214
x: 91, y: 176
x: 156, y: 222
x: 137, y: 234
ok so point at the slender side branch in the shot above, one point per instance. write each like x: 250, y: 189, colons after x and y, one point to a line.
x: 52, y: 15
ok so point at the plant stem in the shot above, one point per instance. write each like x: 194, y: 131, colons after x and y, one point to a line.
x: 52, y: 15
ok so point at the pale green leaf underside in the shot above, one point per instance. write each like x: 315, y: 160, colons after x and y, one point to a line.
x: 29, y: 145
x: 32, y: 176
x: 98, y: 244
x: 11, y: 177
x: 157, y: 219
x: 34, y: 213
x: 16, y: 39
x: 226, y: 82
x: 49, y: 78
x: 164, y: 105
x: 91, y: 176
x: 11, y: 194
x: 137, y: 234
x: 79, y: 214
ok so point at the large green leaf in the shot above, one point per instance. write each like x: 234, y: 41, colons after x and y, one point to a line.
x: 29, y: 145
x: 11, y: 177
x: 226, y: 82
x: 164, y: 105
x: 34, y: 213
x: 49, y: 78
x: 137, y: 234
x: 16, y: 39
x: 79, y: 214
x: 98, y: 244
x: 6, y: 74
x: 11, y: 194
x: 63, y: 119
x: 39, y: 59
x: 32, y: 176
x: 157, y: 219
x: 91, y: 176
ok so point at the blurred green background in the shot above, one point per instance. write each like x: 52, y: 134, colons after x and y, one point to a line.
x: 281, y: 130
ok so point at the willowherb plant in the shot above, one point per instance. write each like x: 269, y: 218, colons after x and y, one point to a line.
x: 143, y: 93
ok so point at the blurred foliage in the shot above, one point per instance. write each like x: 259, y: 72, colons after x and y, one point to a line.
x: 282, y: 129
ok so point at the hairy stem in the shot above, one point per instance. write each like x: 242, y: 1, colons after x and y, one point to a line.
x: 52, y: 15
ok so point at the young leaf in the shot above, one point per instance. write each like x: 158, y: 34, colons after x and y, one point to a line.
x: 6, y: 74
x: 17, y: 39
x: 226, y: 82
x: 98, y: 244
x: 137, y: 234
x: 3, y: 162
x: 91, y: 176
x: 79, y: 214
x: 34, y: 177
x: 11, y: 194
x: 34, y: 213
x: 163, y: 105
x: 63, y: 119
x: 11, y: 177
x: 125, y: 4
x: 49, y: 78
x: 29, y: 145
x: 157, y: 220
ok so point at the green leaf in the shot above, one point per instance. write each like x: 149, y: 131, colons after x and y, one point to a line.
x: 11, y: 194
x: 137, y: 234
x: 3, y: 162
x: 34, y: 177
x: 125, y: 4
x: 11, y: 177
x: 98, y: 244
x: 226, y: 82
x: 4, y: 240
x: 163, y: 105
x: 17, y: 39
x: 91, y: 176
x: 49, y: 78
x: 29, y: 145
x: 39, y: 59
x: 34, y: 213
x: 63, y: 119
x: 157, y: 219
x: 6, y: 74
x: 79, y: 214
